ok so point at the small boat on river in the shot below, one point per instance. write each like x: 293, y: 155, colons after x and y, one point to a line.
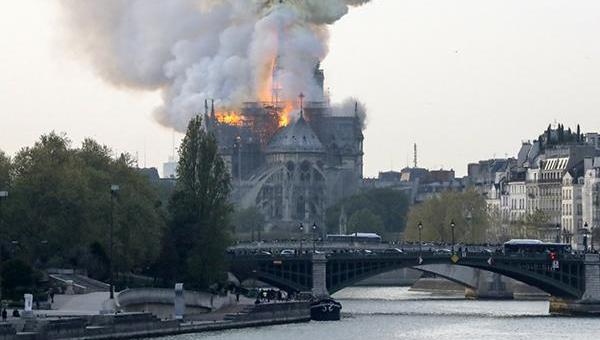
x: 325, y: 309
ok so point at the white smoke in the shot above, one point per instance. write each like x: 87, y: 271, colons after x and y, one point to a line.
x: 351, y: 107
x: 200, y: 49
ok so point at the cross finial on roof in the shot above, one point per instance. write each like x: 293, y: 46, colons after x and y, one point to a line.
x: 301, y: 96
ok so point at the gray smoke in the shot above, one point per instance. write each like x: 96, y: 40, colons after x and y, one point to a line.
x: 197, y: 49
x: 351, y: 107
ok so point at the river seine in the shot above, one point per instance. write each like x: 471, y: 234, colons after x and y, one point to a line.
x: 396, y: 313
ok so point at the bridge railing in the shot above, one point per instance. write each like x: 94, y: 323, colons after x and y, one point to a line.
x: 409, y: 253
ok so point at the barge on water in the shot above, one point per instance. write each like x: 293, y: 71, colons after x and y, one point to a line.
x: 325, y: 309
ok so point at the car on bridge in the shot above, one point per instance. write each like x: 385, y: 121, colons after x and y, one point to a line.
x: 288, y: 252
x: 393, y: 251
x: 442, y: 251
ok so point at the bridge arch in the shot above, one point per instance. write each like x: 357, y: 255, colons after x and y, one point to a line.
x: 462, y: 275
x: 567, y: 283
x: 296, y: 274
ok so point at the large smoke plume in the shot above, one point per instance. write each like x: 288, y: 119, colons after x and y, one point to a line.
x: 198, y: 49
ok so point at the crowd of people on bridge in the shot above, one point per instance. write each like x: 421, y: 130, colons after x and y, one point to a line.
x: 269, y: 295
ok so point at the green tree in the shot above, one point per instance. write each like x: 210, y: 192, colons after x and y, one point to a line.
x: 498, y: 231
x: 200, y: 211
x: 5, y: 166
x: 17, y: 278
x: 530, y: 227
x: 537, y: 218
x: 467, y: 209
x: 365, y: 221
x: 390, y: 205
x: 249, y: 220
x: 60, y: 202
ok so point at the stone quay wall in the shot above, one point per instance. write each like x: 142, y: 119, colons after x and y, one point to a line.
x: 146, y: 325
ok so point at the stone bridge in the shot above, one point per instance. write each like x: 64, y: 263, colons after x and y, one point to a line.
x: 574, y: 286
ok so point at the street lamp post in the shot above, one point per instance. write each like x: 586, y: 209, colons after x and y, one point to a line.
x: 585, y: 236
x: 314, y: 233
x: 301, y: 228
x: 113, y: 193
x: 557, y: 233
x: 420, y: 228
x: 452, y: 225
x: 592, y: 237
x: 3, y: 196
x: 566, y: 236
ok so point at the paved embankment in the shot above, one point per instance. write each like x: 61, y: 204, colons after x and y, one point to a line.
x: 144, y: 325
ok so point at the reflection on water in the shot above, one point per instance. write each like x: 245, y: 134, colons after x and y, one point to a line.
x: 401, y: 301
x: 396, y: 313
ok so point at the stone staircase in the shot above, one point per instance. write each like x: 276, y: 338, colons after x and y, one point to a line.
x: 31, y: 325
x: 84, y: 283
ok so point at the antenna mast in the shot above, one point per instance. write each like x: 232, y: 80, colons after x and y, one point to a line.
x: 415, y: 155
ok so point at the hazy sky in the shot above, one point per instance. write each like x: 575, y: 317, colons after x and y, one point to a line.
x: 464, y: 79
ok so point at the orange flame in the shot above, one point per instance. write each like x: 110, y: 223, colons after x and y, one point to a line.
x: 230, y: 118
x: 266, y: 81
x: 284, y: 115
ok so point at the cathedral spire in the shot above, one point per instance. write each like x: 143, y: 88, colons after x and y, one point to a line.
x: 301, y: 96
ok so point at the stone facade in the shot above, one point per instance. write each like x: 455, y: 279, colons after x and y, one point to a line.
x: 590, y: 198
x: 552, y: 176
x: 291, y: 172
x: 571, y: 215
x: 516, y: 200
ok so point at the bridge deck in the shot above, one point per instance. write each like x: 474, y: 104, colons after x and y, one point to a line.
x: 294, y: 272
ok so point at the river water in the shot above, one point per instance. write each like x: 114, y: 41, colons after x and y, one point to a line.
x: 397, y: 313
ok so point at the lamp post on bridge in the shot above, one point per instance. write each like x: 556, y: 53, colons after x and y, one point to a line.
x: 566, y: 236
x: 586, y: 233
x: 420, y: 228
x: 592, y: 237
x: 3, y: 196
x: 314, y: 233
x: 113, y: 193
x: 452, y: 225
x: 301, y: 228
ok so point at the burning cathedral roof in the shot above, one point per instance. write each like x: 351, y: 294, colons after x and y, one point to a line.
x: 298, y: 137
